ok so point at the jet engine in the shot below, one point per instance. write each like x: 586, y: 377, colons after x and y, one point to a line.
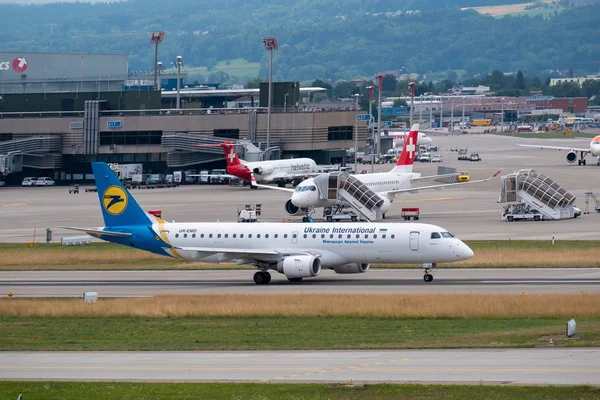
x: 387, y: 204
x: 262, y: 171
x: 293, y: 209
x: 571, y: 157
x: 351, y: 268
x: 299, y: 266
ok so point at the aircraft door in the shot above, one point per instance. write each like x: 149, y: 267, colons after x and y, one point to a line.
x: 414, y: 241
x: 295, y: 237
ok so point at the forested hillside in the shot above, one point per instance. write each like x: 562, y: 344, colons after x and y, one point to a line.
x: 317, y: 38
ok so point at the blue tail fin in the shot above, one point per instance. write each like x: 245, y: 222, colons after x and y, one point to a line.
x: 119, y: 208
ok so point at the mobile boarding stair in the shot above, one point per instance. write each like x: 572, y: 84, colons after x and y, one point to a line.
x: 535, y: 191
x: 351, y: 192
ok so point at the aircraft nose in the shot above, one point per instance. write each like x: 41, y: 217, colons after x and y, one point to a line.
x: 298, y: 199
x: 463, y: 251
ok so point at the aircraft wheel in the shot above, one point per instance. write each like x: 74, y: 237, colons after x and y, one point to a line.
x: 262, y: 278
x: 304, y: 219
x: 329, y: 219
x: 294, y: 279
x: 583, y: 162
x: 428, y: 277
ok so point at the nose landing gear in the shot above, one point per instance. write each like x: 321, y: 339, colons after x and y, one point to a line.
x: 428, y: 267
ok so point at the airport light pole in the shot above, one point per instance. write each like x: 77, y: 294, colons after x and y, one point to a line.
x: 270, y: 43
x: 378, y: 137
x: 178, y: 63
x: 452, y: 115
x: 463, y: 116
x: 441, y: 112
x: 502, y: 117
x: 370, y: 127
x: 420, y: 108
x: 412, y: 103
x: 156, y: 38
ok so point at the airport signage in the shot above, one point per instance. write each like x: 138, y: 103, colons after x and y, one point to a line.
x: 386, y: 124
x: 114, y: 124
x: 19, y: 65
x: 363, y: 117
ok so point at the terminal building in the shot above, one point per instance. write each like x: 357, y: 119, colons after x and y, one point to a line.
x: 59, y: 112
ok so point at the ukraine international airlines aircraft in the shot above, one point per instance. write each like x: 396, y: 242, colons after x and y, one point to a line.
x: 594, y: 150
x: 386, y: 184
x: 296, y: 250
x: 278, y: 171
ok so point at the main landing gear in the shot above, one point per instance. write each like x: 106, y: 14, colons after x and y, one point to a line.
x: 262, y: 278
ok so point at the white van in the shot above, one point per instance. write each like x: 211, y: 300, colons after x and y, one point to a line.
x: 29, y: 181
x: 44, y: 182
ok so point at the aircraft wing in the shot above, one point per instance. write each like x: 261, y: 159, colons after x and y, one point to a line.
x: 445, y: 185
x: 214, y: 176
x: 535, y: 146
x: 282, y: 189
x: 97, y: 232
x: 430, y: 177
x: 228, y: 254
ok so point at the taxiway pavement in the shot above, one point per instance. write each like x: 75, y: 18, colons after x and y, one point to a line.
x: 549, y: 366
x: 470, y: 212
x: 376, y: 281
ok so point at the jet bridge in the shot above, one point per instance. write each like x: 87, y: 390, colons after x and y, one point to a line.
x: 538, y: 192
x: 350, y: 191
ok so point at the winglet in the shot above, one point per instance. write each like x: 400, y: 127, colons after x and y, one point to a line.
x: 253, y: 180
x: 496, y: 174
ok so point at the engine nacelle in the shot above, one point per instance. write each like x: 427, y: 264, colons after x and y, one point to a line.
x: 291, y: 208
x: 353, y: 268
x: 300, y: 266
x: 571, y: 157
x: 262, y: 171
x: 387, y: 204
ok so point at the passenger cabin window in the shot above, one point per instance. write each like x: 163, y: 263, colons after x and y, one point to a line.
x: 435, y: 235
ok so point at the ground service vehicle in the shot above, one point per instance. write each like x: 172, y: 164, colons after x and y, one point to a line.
x: 408, y: 213
x: 437, y: 158
x: 475, y: 157
x: 463, y: 176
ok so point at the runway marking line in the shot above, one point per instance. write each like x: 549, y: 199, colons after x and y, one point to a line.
x: 391, y: 361
x: 406, y: 359
x: 14, y: 205
x: 324, y: 370
x: 142, y: 368
x: 482, y: 369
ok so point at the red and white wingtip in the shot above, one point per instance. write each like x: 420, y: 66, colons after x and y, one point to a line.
x: 496, y: 174
x: 253, y: 180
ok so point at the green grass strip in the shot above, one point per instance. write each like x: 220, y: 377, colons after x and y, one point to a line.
x: 254, y: 391
x: 288, y: 333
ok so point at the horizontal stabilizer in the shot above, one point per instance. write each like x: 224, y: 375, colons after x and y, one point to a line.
x: 97, y: 232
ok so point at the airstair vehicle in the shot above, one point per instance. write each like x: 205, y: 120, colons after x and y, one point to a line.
x: 535, y: 196
x: 351, y: 192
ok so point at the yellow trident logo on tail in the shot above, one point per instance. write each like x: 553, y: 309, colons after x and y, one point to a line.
x: 114, y: 200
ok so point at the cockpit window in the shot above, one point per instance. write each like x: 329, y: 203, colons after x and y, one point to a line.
x: 311, y: 188
x: 435, y: 235
x: 447, y: 235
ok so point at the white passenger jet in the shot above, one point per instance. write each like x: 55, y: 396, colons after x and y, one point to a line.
x: 296, y: 250
x: 277, y: 171
x: 400, y: 137
x: 594, y: 150
x: 387, y: 185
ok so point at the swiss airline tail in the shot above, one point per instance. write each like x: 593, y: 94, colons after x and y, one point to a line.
x: 407, y: 157
x: 230, y: 154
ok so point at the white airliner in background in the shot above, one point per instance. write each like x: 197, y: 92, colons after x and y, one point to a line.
x: 277, y: 171
x: 594, y: 150
x: 386, y: 184
x: 296, y: 250
x: 400, y: 137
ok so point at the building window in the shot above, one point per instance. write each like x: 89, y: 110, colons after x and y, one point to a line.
x: 340, y: 132
x: 227, y: 133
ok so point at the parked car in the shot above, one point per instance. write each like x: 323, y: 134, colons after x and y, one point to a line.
x: 425, y: 157
x: 44, y: 182
x: 437, y: 158
x: 475, y: 157
x: 29, y: 181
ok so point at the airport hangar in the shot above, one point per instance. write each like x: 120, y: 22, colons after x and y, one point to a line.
x: 59, y: 112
